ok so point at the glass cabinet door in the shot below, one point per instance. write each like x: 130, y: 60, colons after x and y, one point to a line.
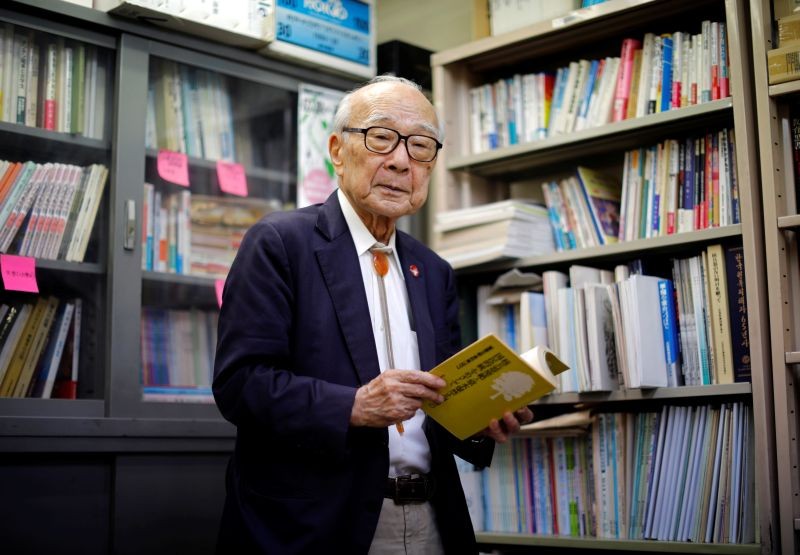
x: 220, y: 154
x: 55, y: 115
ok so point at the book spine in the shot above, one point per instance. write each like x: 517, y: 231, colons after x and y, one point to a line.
x: 737, y: 305
x: 666, y: 299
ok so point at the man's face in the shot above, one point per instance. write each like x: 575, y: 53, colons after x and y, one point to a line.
x: 384, y: 185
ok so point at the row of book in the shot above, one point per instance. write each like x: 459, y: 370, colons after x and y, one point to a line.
x: 53, y: 83
x: 672, y: 187
x: 48, y: 210
x: 178, y: 354
x: 657, y: 74
x: 617, y: 330
x: 189, y: 110
x: 40, y: 348
x: 195, y: 234
x: 511, y: 228
x: 685, y: 473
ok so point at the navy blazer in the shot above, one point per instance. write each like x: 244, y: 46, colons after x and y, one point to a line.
x: 295, y: 342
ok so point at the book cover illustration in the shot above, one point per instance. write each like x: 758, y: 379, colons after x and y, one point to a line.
x: 486, y: 379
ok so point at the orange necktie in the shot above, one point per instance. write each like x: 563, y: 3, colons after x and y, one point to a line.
x: 380, y: 262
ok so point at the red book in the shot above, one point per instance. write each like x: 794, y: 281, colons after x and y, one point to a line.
x: 623, y: 90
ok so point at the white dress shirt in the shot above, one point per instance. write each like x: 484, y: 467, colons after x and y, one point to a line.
x: 408, y: 453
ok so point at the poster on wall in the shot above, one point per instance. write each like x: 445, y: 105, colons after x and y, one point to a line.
x: 315, y: 176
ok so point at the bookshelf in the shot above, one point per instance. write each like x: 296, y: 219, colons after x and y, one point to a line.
x: 466, y: 178
x: 102, y: 454
x: 776, y: 109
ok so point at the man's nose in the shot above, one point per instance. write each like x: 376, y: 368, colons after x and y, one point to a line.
x: 398, y: 159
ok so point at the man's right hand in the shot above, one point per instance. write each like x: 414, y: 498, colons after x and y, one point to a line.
x: 394, y: 396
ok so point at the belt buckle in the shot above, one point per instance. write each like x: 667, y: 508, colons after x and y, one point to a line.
x: 405, y: 490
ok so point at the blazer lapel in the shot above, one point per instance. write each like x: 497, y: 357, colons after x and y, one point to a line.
x: 418, y: 299
x: 341, y: 271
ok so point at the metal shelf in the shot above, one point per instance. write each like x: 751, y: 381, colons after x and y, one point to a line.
x: 264, y: 174
x: 789, y: 222
x: 622, y: 250
x: 658, y: 393
x: 73, y: 267
x: 494, y: 539
x: 782, y: 89
x: 626, y: 134
x: 545, y: 37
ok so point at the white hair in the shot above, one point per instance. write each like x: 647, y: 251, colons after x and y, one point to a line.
x: 344, y: 110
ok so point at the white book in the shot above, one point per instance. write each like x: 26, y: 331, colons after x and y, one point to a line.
x: 562, y: 117
x: 645, y: 75
x: 580, y: 340
x: 19, y: 88
x: 32, y: 83
x: 604, y: 109
x: 9, y: 90
x: 567, y: 348
x: 600, y: 338
x: 74, y: 177
x: 576, y: 98
x: 87, y: 223
x: 475, y: 120
x: 644, y: 336
x: 552, y: 281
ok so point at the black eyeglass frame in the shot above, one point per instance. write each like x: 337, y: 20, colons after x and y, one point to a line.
x: 400, y: 137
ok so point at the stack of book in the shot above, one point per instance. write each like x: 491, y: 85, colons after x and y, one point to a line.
x: 48, y: 210
x: 218, y: 225
x: 505, y: 229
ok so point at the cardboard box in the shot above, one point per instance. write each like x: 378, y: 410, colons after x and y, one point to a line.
x: 782, y: 8
x: 783, y: 64
x: 507, y: 15
x: 244, y: 23
x: 789, y: 30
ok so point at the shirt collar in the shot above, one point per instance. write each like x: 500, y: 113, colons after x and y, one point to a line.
x: 362, y: 237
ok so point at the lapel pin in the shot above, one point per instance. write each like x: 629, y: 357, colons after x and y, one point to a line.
x: 414, y: 270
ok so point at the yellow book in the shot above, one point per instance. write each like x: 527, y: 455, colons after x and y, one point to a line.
x: 720, y: 315
x: 486, y: 379
x: 21, y: 351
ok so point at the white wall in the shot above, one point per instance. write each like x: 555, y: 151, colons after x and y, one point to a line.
x: 432, y: 24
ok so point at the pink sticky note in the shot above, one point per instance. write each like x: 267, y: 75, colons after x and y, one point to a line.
x: 173, y: 167
x: 19, y: 273
x: 219, y: 285
x: 232, y: 178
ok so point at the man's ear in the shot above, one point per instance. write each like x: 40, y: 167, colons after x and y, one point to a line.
x: 335, y: 146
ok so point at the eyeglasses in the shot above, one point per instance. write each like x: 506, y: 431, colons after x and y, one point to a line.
x: 383, y: 140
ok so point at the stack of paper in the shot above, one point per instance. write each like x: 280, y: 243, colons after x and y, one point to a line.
x: 509, y: 228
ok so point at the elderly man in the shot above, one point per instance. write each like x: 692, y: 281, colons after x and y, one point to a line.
x: 330, y: 320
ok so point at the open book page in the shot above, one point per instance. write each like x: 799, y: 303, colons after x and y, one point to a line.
x: 486, y: 379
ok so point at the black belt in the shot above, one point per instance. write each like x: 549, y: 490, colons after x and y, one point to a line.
x: 410, y: 488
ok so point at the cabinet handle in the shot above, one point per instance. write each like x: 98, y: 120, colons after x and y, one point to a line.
x: 129, y: 240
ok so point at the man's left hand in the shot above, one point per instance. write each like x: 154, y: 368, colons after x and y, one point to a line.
x: 501, y: 430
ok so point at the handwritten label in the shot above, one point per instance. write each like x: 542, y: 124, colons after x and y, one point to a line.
x: 232, y: 178
x: 219, y: 285
x: 19, y: 273
x: 173, y: 167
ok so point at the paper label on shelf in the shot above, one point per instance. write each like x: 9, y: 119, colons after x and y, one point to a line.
x: 173, y: 167
x: 219, y: 285
x: 19, y: 273
x: 232, y: 178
